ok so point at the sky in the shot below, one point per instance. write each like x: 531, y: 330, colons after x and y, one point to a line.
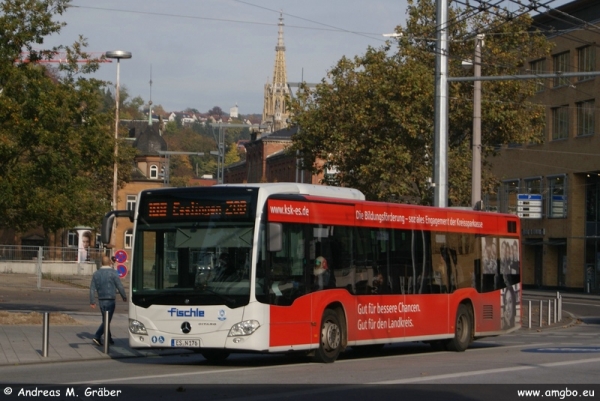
x: 205, y: 53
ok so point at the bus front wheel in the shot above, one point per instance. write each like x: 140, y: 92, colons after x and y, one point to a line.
x: 463, y: 330
x: 330, y: 344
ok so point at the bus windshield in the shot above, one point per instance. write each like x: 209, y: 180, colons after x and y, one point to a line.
x: 201, y: 257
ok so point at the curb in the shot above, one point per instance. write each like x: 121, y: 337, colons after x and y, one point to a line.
x: 566, y: 322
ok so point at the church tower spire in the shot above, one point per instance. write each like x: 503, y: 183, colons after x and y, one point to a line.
x: 275, y: 112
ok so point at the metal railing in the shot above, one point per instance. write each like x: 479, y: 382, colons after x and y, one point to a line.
x: 19, y: 253
x: 69, y: 265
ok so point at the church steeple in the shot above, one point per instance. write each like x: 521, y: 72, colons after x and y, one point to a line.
x: 275, y: 110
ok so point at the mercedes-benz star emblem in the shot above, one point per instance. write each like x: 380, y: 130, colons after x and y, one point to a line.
x: 186, y: 327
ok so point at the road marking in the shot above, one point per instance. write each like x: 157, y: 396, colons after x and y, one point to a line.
x: 229, y: 371
x: 581, y: 304
x: 486, y: 372
x: 207, y: 372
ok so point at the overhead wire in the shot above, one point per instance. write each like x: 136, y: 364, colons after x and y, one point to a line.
x: 470, y: 12
x: 309, y: 20
x: 162, y: 14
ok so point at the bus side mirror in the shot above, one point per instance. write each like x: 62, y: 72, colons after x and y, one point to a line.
x: 274, y: 237
x: 107, y: 225
x: 109, y: 220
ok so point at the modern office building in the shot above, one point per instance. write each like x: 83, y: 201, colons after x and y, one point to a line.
x: 555, y: 185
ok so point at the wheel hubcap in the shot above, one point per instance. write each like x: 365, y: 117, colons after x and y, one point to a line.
x: 331, y: 336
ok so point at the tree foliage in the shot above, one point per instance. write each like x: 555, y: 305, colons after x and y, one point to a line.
x: 373, y: 115
x: 56, y: 144
x: 184, y: 167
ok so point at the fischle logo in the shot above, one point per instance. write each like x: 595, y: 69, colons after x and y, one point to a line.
x: 186, y: 312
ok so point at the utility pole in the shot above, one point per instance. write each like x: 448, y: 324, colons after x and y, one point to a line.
x: 440, y: 173
x: 220, y: 152
x: 476, y: 202
x: 167, y: 164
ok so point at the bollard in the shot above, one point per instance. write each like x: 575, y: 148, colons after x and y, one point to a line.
x: 541, y: 312
x: 549, y: 312
x: 556, y: 310
x: 529, y: 313
x: 560, y: 309
x: 38, y: 267
x: 106, y: 331
x: 45, y: 334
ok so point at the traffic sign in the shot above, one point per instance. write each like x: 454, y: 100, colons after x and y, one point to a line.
x: 529, y: 209
x: 529, y: 197
x: 528, y: 215
x: 122, y: 271
x: 529, y: 203
x: 121, y: 256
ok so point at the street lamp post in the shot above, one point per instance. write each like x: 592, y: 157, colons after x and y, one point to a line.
x: 117, y: 54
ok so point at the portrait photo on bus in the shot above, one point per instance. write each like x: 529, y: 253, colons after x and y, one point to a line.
x: 510, y: 305
x: 489, y: 250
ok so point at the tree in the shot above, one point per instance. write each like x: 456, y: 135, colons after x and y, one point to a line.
x: 56, y: 144
x: 216, y: 112
x: 232, y: 155
x: 184, y: 167
x: 373, y: 118
x: 129, y: 109
x: 159, y: 110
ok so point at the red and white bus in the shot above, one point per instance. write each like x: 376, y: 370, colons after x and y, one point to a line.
x: 293, y: 267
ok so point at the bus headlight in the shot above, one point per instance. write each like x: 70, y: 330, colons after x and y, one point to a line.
x: 244, y: 328
x: 137, y: 327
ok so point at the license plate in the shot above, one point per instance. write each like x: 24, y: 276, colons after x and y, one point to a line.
x: 185, y: 343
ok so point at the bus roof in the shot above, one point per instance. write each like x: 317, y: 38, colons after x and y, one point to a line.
x: 303, y: 189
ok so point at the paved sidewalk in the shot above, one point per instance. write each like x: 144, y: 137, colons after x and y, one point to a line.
x: 23, y: 344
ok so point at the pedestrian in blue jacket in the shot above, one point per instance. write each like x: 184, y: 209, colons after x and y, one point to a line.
x: 106, y: 283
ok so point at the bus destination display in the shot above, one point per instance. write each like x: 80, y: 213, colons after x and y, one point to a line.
x: 179, y: 208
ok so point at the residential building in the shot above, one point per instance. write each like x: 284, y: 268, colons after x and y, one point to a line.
x: 267, y: 161
x: 148, y: 171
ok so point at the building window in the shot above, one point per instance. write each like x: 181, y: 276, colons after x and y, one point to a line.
x: 128, y: 239
x: 586, y: 60
x: 557, y: 197
x: 509, y: 191
x: 538, y: 67
x: 72, y: 239
x: 585, y: 118
x: 560, y: 122
x: 533, y: 185
x: 154, y: 171
x: 131, y: 199
x: 561, y: 64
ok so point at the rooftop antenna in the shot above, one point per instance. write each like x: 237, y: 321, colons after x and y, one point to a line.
x: 150, y: 102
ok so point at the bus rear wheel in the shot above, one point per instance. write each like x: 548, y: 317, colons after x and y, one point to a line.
x: 463, y: 330
x: 215, y: 356
x: 330, y: 344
